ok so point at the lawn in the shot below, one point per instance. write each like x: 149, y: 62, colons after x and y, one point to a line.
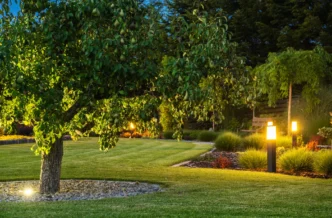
x: 189, y: 192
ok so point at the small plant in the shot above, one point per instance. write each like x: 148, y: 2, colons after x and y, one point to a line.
x: 168, y: 135
x: 207, y: 136
x: 297, y: 160
x: 255, y: 141
x: 253, y: 160
x: 312, y: 146
x: 228, y: 141
x: 284, y: 141
x: 323, y: 162
x: 222, y: 162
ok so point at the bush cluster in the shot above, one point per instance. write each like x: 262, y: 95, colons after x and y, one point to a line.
x: 190, y: 134
x: 207, y: 136
x: 253, y: 160
x: 2, y: 132
x: 284, y: 141
x: 228, y: 141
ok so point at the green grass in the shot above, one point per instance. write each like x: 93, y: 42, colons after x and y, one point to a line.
x: 189, y: 192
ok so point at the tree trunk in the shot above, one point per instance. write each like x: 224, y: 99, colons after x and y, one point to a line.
x: 51, y: 169
x: 289, y: 109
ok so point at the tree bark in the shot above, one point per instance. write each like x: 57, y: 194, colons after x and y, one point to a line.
x: 51, y: 169
x: 289, y: 109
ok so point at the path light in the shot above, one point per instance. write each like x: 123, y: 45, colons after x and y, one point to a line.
x: 270, y: 123
x: 132, y: 127
x: 28, y: 192
x: 271, y: 136
x: 294, y: 136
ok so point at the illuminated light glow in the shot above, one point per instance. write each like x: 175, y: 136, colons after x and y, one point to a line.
x: 294, y: 126
x: 28, y: 192
x: 132, y: 126
x: 271, y: 133
x: 270, y: 123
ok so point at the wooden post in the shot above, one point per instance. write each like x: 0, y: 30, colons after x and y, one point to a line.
x: 289, y: 109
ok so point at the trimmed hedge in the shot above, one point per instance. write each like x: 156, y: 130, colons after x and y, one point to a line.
x: 207, y: 136
x: 228, y: 141
x: 168, y: 135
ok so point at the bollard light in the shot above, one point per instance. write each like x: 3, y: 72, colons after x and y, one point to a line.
x: 270, y: 123
x: 294, y: 136
x: 132, y: 127
x: 271, y: 136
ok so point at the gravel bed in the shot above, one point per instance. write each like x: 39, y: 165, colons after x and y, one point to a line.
x: 71, y: 190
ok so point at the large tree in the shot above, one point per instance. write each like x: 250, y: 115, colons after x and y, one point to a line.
x: 267, y: 26
x: 76, y: 66
x: 282, y: 71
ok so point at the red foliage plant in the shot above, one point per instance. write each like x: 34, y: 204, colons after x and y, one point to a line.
x: 222, y: 162
x: 314, y: 141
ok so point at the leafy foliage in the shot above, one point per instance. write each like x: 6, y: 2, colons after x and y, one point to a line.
x: 284, y: 141
x: 307, y: 68
x: 325, y: 132
x: 297, y: 160
x: 323, y: 162
x: 228, y: 141
x: 253, y: 160
x: 168, y: 135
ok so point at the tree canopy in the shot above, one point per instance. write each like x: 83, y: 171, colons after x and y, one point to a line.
x: 80, y: 66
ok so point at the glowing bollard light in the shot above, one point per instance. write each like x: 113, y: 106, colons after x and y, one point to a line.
x: 271, y: 136
x: 132, y: 128
x: 294, y: 136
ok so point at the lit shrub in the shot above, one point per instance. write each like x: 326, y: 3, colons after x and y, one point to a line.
x: 168, y: 134
x: 228, y: 141
x: 207, y: 136
x: 255, y: 141
x: 297, y: 160
x: 253, y: 160
x: 284, y: 141
x: 323, y: 162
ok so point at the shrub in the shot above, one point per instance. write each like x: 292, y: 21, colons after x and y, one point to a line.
x: 190, y: 134
x: 168, y: 134
x: 323, y: 162
x: 228, y: 141
x: 297, y: 160
x: 312, y: 146
x: 207, y: 136
x: 222, y: 162
x: 2, y: 132
x: 253, y: 159
x: 284, y: 141
x: 255, y: 141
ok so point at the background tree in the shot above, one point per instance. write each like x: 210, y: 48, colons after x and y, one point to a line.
x: 282, y: 70
x: 261, y: 27
x: 95, y: 65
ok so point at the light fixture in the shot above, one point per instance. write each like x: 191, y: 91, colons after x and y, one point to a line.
x: 294, y: 126
x: 270, y: 123
x: 271, y: 133
x: 28, y: 192
x: 271, y: 136
x: 132, y: 126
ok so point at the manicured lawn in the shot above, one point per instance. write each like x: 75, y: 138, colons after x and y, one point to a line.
x: 188, y: 192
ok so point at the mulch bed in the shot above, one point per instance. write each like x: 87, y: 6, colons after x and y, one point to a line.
x: 215, y: 159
